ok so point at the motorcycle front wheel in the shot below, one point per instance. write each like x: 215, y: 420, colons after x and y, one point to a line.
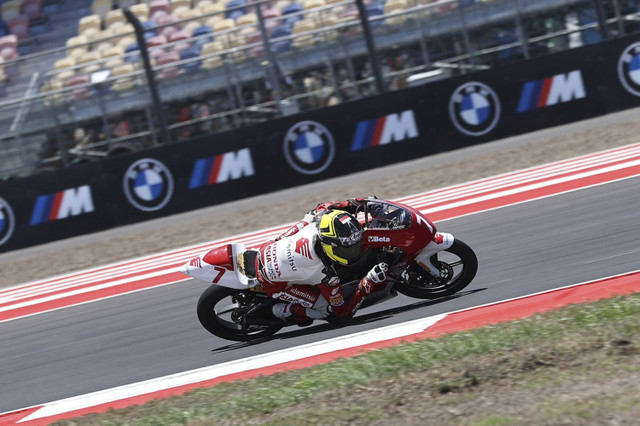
x: 458, y: 266
x: 218, y: 307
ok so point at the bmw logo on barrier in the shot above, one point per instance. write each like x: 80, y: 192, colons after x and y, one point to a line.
x: 629, y: 69
x: 148, y: 184
x: 474, y: 108
x: 7, y: 221
x: 309, y: 147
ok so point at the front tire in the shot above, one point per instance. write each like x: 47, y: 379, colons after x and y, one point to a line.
x: 458, y: 265
x: 216, y: 308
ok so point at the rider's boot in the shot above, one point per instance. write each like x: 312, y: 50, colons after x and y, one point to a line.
x: 291, y: 314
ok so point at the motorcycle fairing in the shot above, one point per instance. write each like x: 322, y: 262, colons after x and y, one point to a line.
x: 441, y: 241
x: 220, y: 266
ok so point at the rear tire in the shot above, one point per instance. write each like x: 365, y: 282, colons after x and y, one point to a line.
x: 215, y: 308
x: 421, y: 285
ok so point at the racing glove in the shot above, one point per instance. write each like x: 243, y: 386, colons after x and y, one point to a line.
x: 375, y: 279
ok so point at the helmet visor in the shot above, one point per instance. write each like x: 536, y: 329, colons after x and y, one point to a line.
x: 344, y: 255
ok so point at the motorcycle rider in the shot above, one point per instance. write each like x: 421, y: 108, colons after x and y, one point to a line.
x: 311, y: 260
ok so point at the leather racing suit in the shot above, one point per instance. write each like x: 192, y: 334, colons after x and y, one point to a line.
x: 294, y: 268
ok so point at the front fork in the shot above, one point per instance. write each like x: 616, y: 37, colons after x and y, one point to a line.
x: 441, y: 241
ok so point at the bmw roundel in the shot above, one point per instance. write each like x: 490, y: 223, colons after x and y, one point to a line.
x: 148, y: 184
x: 474, y: 108
x: 7, y: 221
x: 629, y: 69
x: 309, y: 147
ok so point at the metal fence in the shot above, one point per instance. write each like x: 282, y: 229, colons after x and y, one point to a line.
x: 90, y: 99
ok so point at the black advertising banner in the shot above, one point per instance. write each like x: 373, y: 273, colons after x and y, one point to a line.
x: 294, y: 150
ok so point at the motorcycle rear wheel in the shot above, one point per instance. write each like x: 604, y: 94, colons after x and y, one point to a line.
x: 215, y: 308
x: 459, y: 265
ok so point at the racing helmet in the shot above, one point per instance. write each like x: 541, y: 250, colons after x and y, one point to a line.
x: 340, y: 236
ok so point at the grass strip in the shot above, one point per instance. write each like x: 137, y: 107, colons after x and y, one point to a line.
x: 454, y: 366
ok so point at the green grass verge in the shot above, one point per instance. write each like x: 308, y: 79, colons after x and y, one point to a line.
x: 452, y: 370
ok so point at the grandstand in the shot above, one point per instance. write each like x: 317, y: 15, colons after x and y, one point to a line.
x: 74, y: 87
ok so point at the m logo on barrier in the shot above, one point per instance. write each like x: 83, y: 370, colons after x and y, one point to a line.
x: 222, y: 168
x: 148, y: 184
x: 70, y: 202
x: 629, y: 69
x: 551, y: 91
x: 474, y: 108
x: 384, y: 130
x: 7, y: 221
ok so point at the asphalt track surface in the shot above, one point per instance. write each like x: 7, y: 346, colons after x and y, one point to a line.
x: 522, y: 249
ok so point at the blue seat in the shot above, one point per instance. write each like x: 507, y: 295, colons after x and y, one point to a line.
x: 132, y: 58
x: 150, y: 29
x: 239, y: 8
x: 373, y: 11
x: 4, y: 29
x: 190, y: 53
x: 291, y: 9
x: 281, y: 31
x: 202, y: 36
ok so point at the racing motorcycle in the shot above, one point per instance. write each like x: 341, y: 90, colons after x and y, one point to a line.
x: 423, y: 263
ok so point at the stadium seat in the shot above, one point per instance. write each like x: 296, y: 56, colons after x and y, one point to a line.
x: 64, y: 68
x: 32, y: 9
x: 50, y: 86
x: 159, y: 5
x: 293, y: 9
x: 223, y: 25
x: 257, y: 51
x: 191, y: 67
x: 76, y: 46
x: 312, y: 4
x: 11, y: 10
x: 114, y: 16
x: 302, y: 26
x: 79, y: 93
x: 89, y: 21
x: 396, y: 9
x: 101, y: 7
x: 281, y: 31
x: 156, y: 41
x: 176, y: 4
x: 122, y: 31
x: 168, y: 73
x: 125, y: 41
x: 179, y: 35
x: 141, y: 11
x: 123, y: 81
x: 235, y: 8
x: 191, y: 15
x: 212, y: 62
x: 191, y: 26
x: 374, y: 11
x: 132, y: 53
x: 325, y: 22
x: 202, y: 35
x: 4, y: 28
x: 114, y: 56
x: 127, y: 3
x: 150, y: 29
x: 247, y: 19
x: 19, y: 26
x: 211, y: 8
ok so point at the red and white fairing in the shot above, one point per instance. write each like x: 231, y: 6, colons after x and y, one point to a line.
x: 219, y: 266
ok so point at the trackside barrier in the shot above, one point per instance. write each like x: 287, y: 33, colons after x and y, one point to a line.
x: 441, y: 116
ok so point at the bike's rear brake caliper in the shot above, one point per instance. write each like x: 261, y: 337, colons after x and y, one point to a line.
x: 245, y: 304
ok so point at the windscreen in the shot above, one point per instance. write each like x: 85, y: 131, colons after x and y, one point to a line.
x: 383, y: 215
